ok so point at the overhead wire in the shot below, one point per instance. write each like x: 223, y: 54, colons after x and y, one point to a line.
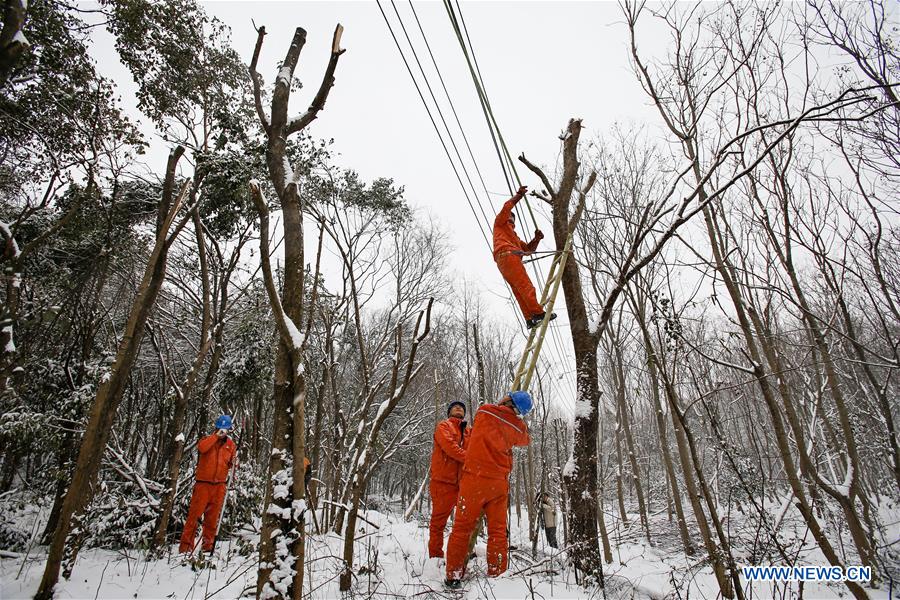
x: 447, y: 95
x: 438, y: 132
x: 441, y: 113
x: 481, y: 95
x: 465, y: 30
x: 475, y: 71
x: 507, y: 167
x: 433, y: 122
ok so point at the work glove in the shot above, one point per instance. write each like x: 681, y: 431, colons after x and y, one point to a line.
x: 521, y: 193
x: 538, y: 234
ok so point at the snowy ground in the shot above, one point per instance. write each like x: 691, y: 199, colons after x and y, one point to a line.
x: 391, y: 562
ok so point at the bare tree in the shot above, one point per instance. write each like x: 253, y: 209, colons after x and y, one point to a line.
x: 281, y: 547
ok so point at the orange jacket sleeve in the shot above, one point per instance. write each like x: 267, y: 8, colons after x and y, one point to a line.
x: 504, y: 213
x: 207, y: 443
x: 531, y: 246
x: 520, y: 438
x: 444, y: 437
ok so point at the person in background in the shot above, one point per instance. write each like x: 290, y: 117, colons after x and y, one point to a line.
x: 217, y: 452
x: 548, y: 514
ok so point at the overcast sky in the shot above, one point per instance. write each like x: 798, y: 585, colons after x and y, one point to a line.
x: 542, y: 63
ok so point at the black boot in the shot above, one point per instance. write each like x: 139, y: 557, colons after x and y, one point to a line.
x: 536, y: 319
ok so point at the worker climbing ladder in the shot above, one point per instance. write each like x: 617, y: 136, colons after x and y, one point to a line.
x: 528, y: 362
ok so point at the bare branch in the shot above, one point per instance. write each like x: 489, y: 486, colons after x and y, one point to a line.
x: 257, y: 80
x: 318, y: 103
x: 537, y: 171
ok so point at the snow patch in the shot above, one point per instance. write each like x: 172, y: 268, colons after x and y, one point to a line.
x: 844, y: 488
x: 570, y: 469
x: 284, y: 76
x: 280, y: 492
x: 7, y: 233
x: 583, y: 409
x: 299, y: 508
x: 10, y: 346
x: 640, y: 571
x: 594, y: 324
x: 21, y: 39
x: 288, y: 171
x: 179, y: 438
x: 297, y: 338
x: 381, y: 408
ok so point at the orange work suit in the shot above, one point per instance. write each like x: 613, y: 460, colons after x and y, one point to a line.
x: 484, y: 487
x: 508, y: 252
x: 450, y: 441
x: 216, y: 458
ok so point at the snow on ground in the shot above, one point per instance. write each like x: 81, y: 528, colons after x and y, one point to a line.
x: 391, y: 561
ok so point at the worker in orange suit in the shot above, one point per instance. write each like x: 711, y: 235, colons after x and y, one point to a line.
x: 508, y: 253
x: 217, y: 452
x: 450, y: 441
x: 484, y: 486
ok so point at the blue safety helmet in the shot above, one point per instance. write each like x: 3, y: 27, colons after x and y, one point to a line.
x: 223, y: 422
x: 522, y: 401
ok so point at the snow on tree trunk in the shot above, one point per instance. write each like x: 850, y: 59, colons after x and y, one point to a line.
x: 281, y: 549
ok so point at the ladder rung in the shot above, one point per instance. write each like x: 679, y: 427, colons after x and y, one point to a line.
x: 529, y: 359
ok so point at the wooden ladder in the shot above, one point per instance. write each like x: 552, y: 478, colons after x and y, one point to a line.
x: 529, y: 360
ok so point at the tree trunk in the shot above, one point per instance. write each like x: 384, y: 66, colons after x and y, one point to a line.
x: 684, y: 454
x: 620, y: 468
x: 625, y: 421
x: 639, y: 306
x: 281, y: 549
x: 601, y: 511
x: 581, y: 476
x: 183, y: 392
x: 109, y: 394
x: 847, y: 499
x: 745, y: 313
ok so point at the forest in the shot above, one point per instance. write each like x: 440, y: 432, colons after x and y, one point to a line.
x: 719, y: 389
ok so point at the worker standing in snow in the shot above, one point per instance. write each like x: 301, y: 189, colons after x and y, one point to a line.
x: 217, y: 453
x: 548, y: 516
x: 450, y: 442
x: 508, y: 253
x: 484, y: 486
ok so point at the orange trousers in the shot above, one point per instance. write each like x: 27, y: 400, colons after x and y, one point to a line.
x: 206, y: 501
x: 477, y: 495
x: 514, y: 273
x: 443, y: 501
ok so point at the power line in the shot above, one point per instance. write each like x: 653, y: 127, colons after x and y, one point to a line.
x: 493, y: 121
x: 440, y: 112
x: 488, y: 113
x: 481, y: 95
x: 447, y: 94
x: 433, y: 123
x: 437, y: 130
x: 492, y: 125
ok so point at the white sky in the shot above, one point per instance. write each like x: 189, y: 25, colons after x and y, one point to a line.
x: 542, y: 63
